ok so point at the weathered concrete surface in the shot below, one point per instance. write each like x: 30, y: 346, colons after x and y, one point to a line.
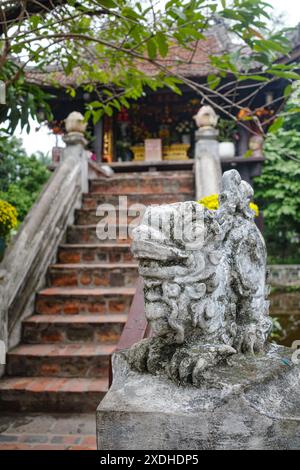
x: 253, y: 404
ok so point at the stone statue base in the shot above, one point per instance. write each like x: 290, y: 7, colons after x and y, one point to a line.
x: 253, y: 404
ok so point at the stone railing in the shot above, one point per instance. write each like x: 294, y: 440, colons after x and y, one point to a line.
x: 209, y: 164
x: 136, y: 327
x: 208, y: 171
x: 23, y: 269
x: 284, y: 274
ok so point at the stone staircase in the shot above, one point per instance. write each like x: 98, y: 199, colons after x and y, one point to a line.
x: 63, y: 359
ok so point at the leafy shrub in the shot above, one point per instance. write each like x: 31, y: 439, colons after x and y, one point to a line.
x: 21, y: 177
x: 20, y: 198
x: 278, y: 189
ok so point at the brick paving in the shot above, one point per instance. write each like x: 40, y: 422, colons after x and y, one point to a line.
x: 23, y: 431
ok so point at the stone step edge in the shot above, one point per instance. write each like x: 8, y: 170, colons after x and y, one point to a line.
x: 145, y: 174
x: 105, y: 246
x: 86, y: 210
x: 94, y: 227
x: 137, y: 193
x: 66, y: 319
x: 89, y: 266
x: 80, y: 292
x: 42, y: 350
x: 53, y: 384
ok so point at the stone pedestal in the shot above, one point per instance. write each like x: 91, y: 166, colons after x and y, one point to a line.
x: 250, y: 403
x: 208, y: 172
x: 75, y: 146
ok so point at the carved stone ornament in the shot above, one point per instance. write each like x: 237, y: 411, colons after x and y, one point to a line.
x: 205, y: 288
x: 206, y: 117
x: 75, y: 123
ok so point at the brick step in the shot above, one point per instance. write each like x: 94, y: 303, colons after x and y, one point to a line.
x: 86, y: 275
x: 80, y: 234
x: 51, y: 394
x: 71, y: 301
x: 93, y: 254
x: 143, y: 175
x: 105, y: 329
x: 59, y: 360
x: 91, y: 217
x: 147, y: 172
x: 93, y: 200
x: 145, y: 183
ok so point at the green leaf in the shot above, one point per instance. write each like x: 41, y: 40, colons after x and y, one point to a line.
x: 171, y: 83
x: 285, y: 74
x: 130, y: 13
x: 95, y: 104
x: 162, y: 43
x: 97, y: 115
x: 293, y: 110
x: 277, y: 124
x: 124, y: 102
x: 116, y: 104
x: 70, y: 65
x: 35, y: 20
x: 179, y: 13
x: 288, y: 90
x: 257, y: 78
x: 71, y: 91
x: 108, y: 110
x: 213, y: 81
x: 108, y: 3
x: 268, y: 44
x: 152, y: 49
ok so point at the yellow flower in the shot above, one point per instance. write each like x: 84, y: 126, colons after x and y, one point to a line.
x: 8, y: 218
x: 212, y: 203
x: 255, y: 208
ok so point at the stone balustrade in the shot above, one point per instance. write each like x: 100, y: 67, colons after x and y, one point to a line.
x: 284, y: 274
x: 23, y: 269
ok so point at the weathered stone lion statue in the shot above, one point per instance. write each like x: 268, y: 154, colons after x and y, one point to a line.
x: 204, y: 285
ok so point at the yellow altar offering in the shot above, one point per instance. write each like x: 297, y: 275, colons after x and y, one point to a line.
x: 170, y: 152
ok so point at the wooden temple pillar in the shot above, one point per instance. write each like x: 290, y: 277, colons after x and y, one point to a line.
x: 98, y: 143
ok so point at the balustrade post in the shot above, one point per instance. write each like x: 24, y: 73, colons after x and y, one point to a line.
x: 208, y: 172
x: 76, y: 144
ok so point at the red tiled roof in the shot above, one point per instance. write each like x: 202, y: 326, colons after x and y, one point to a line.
x: 192, y: 62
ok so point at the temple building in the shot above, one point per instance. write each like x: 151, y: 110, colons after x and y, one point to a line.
x: 163, y: 118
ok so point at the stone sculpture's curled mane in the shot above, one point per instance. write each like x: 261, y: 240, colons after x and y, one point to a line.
x: 204, y: 284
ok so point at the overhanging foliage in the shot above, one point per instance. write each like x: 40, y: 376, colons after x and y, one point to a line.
x: 105, y: 41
